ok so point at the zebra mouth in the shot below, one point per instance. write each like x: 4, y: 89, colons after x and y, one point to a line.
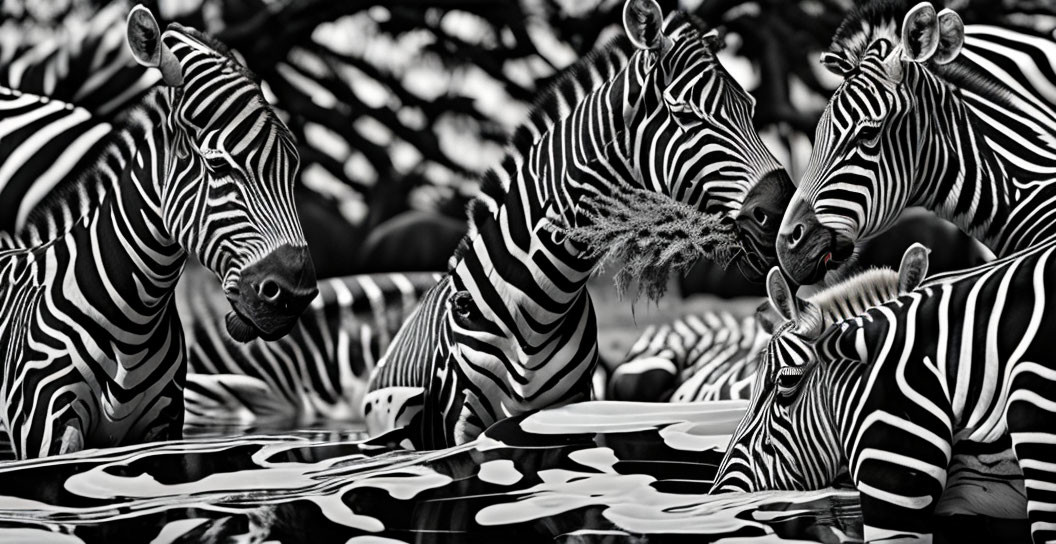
x: 240, y: 329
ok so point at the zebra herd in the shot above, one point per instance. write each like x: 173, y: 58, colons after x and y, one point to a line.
x: 882, y: 378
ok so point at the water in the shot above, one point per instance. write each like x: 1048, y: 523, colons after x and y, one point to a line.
x: 596, y: 472
x: 593, y: 472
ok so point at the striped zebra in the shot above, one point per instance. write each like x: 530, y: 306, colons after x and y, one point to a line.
x: 892, y: 394
x: 85, y: 63
x: 714, y: 355
x: 511, y: 329
x: 90, y: 342
x: 49, y: 146
x: 89, y: 79
x: 319, y: 371
x: 959, y: 120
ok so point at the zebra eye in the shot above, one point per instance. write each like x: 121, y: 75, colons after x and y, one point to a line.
x: 789, y: 379
x: 218, y: 165
x: 869, y: 133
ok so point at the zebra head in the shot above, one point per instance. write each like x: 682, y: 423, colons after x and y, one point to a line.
x: 689, y: 106
x: 876, y: 141
x: 226, y: 177
x: 788, y: 439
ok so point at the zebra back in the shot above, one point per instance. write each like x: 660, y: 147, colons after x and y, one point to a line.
x: 85, y: 63
x: 56, y: 162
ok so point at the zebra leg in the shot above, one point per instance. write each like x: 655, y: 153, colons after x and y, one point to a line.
x: 901, y: 476
x: 1032, y: 424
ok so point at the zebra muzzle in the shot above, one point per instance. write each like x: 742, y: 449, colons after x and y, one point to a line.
x: 239, y: 329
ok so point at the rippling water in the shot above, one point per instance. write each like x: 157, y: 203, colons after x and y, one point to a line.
x: 593, y: 472
x: 596, y: 472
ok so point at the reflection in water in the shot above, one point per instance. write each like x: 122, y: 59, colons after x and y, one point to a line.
x: 594, y: 472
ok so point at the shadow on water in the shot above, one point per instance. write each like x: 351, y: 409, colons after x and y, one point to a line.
x: 594, y: 472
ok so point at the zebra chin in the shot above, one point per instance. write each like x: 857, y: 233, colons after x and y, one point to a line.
x: 271, y: 295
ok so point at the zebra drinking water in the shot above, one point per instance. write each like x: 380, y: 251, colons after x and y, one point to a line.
x: 890, y: 395
x: 512, y: 329
x: 959, y: 120
x: 92, y: 350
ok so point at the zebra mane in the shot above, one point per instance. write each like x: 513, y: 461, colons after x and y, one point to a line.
x: 866, y: 23
x: 552, y: 105
x: 84, y: 190
x: 1011, y: 104
x: 852, y: 296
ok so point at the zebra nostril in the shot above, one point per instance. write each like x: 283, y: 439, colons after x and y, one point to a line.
x: 269, y: 290
x: 797, y: 233
x: 760, y: 216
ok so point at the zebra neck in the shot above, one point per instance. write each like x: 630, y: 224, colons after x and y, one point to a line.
x: 124, y: 262
x: 516, y: 255
x: 990, y: 188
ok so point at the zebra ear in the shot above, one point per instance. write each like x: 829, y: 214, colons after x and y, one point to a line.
x: 144, y: 40
x: 914, y: 267
x: 644, y: 23
x: 920, y: 33
x: 144, y: 37
x: 781, y: 297
x: 951, y: 36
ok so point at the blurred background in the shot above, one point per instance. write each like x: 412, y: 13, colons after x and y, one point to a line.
x: 399, y: 106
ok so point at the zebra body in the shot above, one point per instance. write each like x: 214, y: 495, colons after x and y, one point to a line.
x: 318, y: 371
x: 889, y: 395
x: 959, y: 120
x: 52, y: 147
x: 713, y: 356
x: 85, y: 63
x: 92, y: 348
x: 512, y: 328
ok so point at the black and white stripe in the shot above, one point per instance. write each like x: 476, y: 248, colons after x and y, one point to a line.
x: 512, y: 328
x: 969, y: 133
x: 714, y: 355
x: 92, y: 350
x: 319, y: 371
x: 891, y: 395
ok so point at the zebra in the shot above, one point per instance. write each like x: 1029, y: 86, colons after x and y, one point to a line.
x: 890, y: 395
x: 318, y: 371
x: 90, y: 341
x: 713, y: 355
x: 50, y: 146
x: 69, y: 121
x: 959, y: 120
x: 86, y: 64
x: 511, y: 329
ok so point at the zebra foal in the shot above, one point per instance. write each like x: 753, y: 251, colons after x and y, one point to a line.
x: 92, y: 350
